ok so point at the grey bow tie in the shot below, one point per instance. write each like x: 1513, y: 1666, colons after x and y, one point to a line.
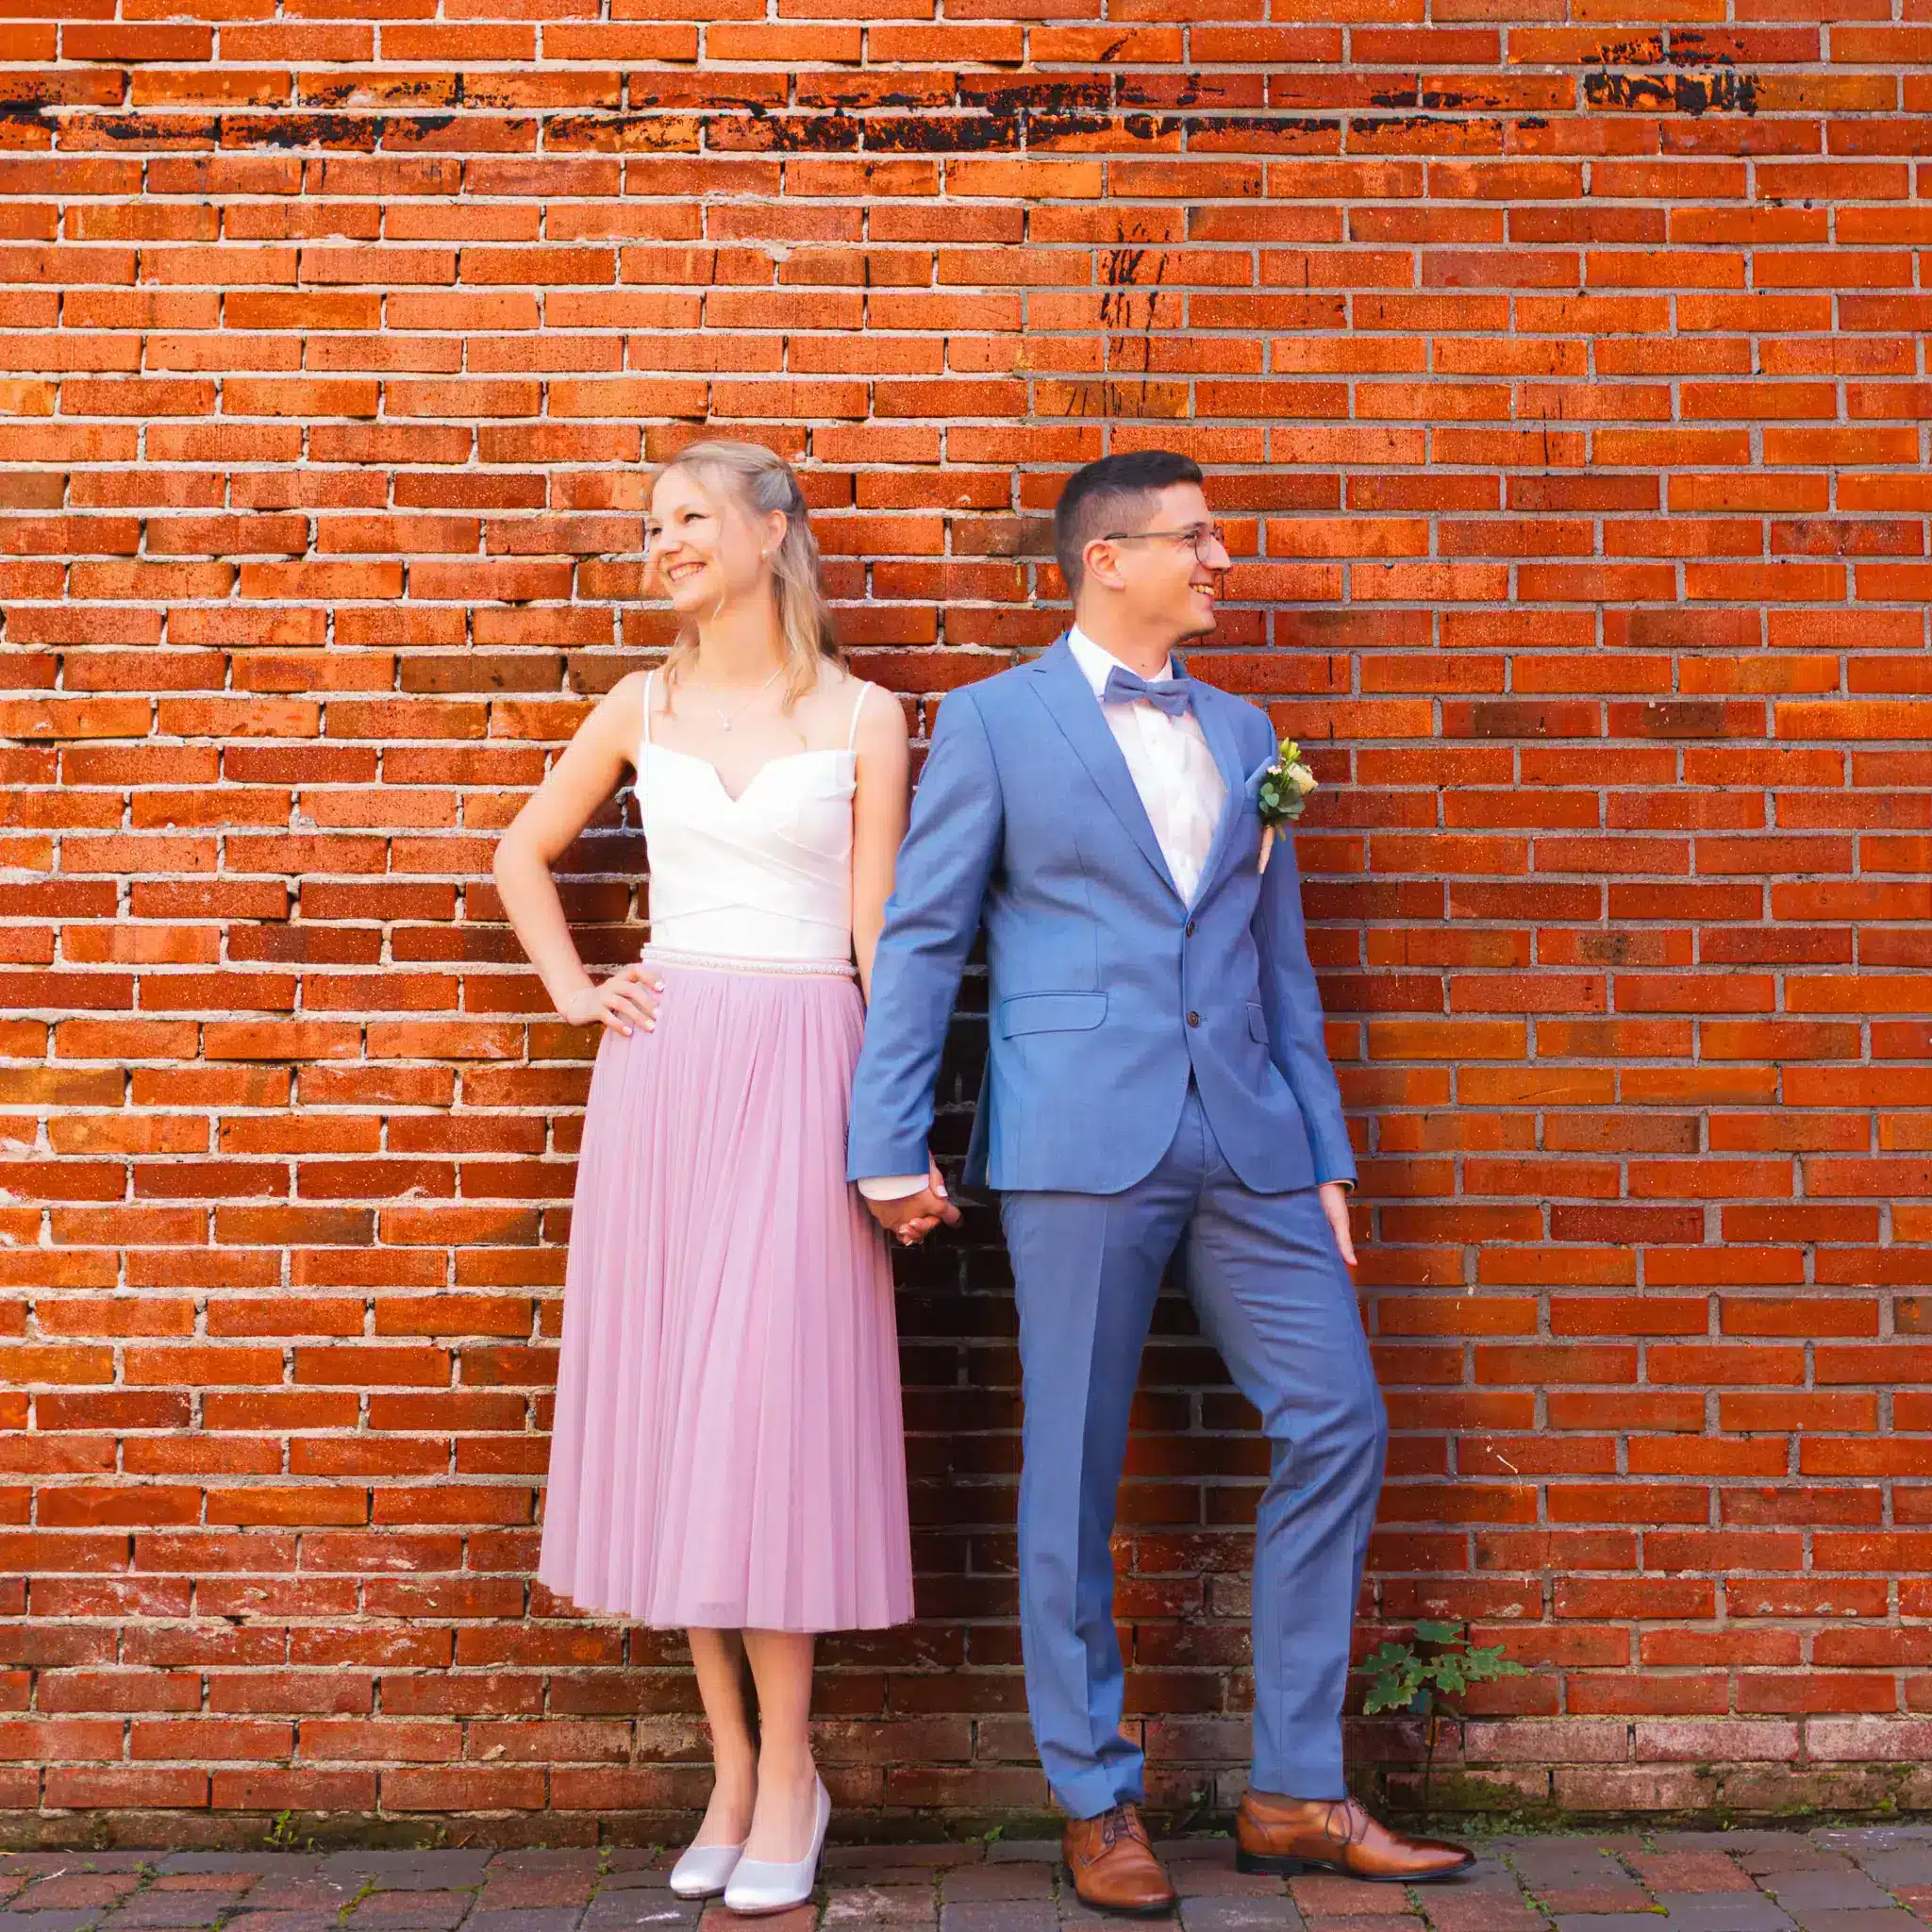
x: 1173, y: 696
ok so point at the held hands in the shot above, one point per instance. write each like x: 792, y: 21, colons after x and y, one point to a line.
x: 911, y: 1218
x: 1335, y: 1206
x: 628, y: 1000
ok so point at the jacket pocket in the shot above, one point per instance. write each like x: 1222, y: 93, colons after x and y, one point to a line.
x: 1051, y: 1012
x: 1257, y: 1022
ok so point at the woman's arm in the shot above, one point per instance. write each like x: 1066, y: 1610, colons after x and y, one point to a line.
x: 880, y: 810
x: 585, y: 774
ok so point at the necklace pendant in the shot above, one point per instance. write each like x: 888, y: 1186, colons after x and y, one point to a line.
x: 725, y: 724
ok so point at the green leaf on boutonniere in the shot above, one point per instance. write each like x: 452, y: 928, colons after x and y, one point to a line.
x: 1285, y: 787
x: 1281, y: 794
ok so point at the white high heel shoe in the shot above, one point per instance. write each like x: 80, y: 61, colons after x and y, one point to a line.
x: 704, y: 1869
x: 767, y: 1885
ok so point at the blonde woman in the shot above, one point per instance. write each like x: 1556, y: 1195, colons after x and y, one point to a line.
x: 728, y: 1456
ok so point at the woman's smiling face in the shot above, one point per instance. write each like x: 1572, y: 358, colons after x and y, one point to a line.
x: 701, y: 554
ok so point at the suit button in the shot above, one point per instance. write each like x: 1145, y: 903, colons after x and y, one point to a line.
x: 1188, y: 931
x: 1193, y: 1019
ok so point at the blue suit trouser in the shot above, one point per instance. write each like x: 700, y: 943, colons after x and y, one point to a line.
x: 1271, y: 1291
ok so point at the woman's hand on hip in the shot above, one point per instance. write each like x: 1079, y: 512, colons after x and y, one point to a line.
x: 625, y: 1002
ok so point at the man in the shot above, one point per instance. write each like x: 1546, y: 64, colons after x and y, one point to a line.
x: 1158, y: 1082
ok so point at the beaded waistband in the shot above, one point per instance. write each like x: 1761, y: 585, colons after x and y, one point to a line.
x: 726, y: 962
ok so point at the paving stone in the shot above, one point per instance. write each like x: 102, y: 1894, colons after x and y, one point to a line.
x: 1609, y: 1922
x: 239, y: 1864
x: 1897, y: 1865
x: 997, y: 1882
x: 523, y: 1918
x: 868, y: 1906
x: 166, y: 1909
x: 41, y: 1863
x: 1355, y: 1922
x: 1000, y: 1915
x: 302, y: 1892
x: 70, y: 1921
x: 799, y: 1918
x: 1024, y: 1850
x: 1460, y: 1909
x: 1253, y: 1914
x: 612, y: 1911
x: 1325, y: 1894
x: 76, y: 1889
x: 1859, y: 1919
x: 1560, y: 1857
x: 1217, y: 1878
x: 549, y: 1885
x: 1844, y: 1891
x: 1587, y: 1901
x: 1689, y: 1871
x: 901, y: 1860
x: 314, y: 1921
x: 1078, y: 1916
x: 408, y: 1870
x: 411, y: 1912
x: 1790, y: 1851
x: 904, y: 1863
x: 632, y: 1878
x: 1723, y: 1911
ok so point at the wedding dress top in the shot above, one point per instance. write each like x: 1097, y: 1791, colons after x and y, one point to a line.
x: 764, y: 875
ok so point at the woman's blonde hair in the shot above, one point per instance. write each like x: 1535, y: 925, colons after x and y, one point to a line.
x: 757, y: 482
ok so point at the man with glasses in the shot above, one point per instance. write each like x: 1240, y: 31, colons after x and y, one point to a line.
x: 1156, y: 1086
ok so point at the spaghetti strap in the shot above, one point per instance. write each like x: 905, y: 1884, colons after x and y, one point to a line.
x: 852, y: 736
x: 650, y: 684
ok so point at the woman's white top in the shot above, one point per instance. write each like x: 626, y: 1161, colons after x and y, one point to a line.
x: 766, y: 874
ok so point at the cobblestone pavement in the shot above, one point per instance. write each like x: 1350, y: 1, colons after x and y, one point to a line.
x: 1852, y: 1880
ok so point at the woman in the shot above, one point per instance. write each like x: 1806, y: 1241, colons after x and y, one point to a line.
x: 727, y: 1454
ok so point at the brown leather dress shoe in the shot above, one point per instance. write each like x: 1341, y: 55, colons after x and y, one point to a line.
x: 1290, y: 1835
x: 1113, y: 1866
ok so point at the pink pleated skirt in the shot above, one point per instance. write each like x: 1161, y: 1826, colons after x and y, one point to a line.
x: 728, y: 1449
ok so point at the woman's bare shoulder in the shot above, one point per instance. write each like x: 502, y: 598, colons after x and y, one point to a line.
x: 617, y: 717
x: 876, y: 714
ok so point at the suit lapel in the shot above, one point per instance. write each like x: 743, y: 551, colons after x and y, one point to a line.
x: 1218, y: 727
x: 1066, y: 694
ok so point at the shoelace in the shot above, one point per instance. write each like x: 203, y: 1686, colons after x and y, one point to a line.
x: 1355, y: 1821
x: 1122, y: 1822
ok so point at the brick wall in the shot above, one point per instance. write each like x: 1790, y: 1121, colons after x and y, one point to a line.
x: 1562, y: 377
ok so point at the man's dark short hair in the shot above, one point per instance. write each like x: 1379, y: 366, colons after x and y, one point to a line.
x: 1115, y: 494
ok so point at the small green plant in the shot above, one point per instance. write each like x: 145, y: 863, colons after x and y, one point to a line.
x: 283, y: 1835
x: 1424, y: 1675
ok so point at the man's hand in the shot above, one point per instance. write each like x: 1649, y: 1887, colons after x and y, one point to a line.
x: 912, y: 1217
x: 1334, y: 1205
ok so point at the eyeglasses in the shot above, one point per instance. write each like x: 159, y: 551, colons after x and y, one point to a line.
x: 1200, y: 535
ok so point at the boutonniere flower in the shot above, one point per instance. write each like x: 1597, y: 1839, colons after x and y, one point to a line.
x: 1284, y: 793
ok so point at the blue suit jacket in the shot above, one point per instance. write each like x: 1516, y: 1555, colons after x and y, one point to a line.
x: 1107, y: 992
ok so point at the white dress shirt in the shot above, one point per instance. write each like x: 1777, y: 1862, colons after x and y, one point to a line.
x: 1179, y: 784
x: 1170, y: 763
